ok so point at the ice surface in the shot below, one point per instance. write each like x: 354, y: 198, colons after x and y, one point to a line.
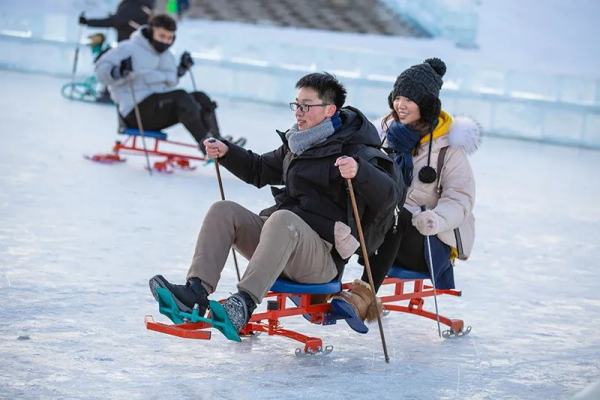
x: 78, y: 242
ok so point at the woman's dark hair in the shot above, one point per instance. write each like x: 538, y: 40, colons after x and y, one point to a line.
x: 163, y: 21
x: 385, y: 120
x: 329, y: 89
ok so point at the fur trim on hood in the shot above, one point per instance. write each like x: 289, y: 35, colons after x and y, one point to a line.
x: 466, y: 133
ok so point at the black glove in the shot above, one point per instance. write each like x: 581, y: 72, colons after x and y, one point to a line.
x: 82, y: 19
x: 185, y: 63
x: 186, y: 60
x: 123, y: 70
x: 126, y: 67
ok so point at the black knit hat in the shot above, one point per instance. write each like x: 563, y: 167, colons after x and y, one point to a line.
x: 421, y: 83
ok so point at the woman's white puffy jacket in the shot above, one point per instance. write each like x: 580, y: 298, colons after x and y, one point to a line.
x: 452, y: 196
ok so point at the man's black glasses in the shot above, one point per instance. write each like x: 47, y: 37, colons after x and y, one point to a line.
x: 305, y: 107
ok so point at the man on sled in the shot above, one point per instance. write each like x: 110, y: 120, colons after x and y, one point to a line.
x: 141, y: 72
x: 306, y: 236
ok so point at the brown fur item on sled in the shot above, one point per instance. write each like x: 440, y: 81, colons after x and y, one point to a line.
x: 363, y: 290
x: 360, y: 297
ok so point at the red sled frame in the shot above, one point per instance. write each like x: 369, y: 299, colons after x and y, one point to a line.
x: 416, y: 301
x: 154, y: 148
x: 410, y: 289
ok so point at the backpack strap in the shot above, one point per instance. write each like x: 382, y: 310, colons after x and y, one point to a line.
x: 440, y: 165
x: 459, y: 245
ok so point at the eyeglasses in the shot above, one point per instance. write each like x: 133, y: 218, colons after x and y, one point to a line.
x: 305, y: 107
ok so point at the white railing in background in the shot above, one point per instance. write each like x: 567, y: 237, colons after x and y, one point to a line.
x: 554, y: 109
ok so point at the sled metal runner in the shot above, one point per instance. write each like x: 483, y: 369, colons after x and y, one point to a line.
x: 132, y: 144
x: 407, y: 286
x: 416, y: 296
x: 269, y: 321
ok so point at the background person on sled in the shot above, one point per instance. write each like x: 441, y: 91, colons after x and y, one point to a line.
x: 305, y: 236
x: 130, y: 15
x: 416, y: 130
x: 146, y: 61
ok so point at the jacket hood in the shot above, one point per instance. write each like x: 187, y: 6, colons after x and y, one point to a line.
x: 465, y: 133
x: 356, y: 128
x: 442, y: 127
x: 460, y: 132
x: 139, y: 39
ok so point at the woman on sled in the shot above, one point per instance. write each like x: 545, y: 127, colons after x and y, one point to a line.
x: 430, y: 148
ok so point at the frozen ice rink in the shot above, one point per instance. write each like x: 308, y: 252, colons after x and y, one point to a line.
x: 79, y: 241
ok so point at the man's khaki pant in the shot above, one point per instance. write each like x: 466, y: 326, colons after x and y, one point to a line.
x: 283, y: 245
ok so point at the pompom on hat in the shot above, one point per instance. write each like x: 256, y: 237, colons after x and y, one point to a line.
x: 421, y: 83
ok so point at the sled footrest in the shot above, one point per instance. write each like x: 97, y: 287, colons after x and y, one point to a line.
x: 218, y: 317
x: 186, y: 330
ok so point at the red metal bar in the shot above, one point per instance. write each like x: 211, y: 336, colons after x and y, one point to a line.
x: 291, y: 311
x: 416, y: 300
x: 134, y: 149
x: 455, y: 324
x: 176, y: 143
x: 272, y: 325
x: 186, y: 331
x: 311, y: 344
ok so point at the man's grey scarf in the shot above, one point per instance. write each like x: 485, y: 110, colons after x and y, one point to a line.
x: 300, y: 141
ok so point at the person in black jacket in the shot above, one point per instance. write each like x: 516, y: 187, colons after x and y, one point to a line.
x: 306, y: 236
x: 130, y: 15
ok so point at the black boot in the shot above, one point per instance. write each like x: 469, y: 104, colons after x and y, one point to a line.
x: 210, y: 120
x: 239, y: 307
x: 186, y: 296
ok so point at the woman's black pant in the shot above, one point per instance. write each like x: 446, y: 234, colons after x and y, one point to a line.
x: 196, y: 111
x: 403, y: 247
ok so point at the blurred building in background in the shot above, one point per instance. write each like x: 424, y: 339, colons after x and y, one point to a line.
x: 359, y: 16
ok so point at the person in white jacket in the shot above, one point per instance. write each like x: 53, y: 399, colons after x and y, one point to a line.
x: 145, y: 62
x: 430, y: 148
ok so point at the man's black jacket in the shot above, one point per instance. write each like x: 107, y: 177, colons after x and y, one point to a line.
x: 312, y: 185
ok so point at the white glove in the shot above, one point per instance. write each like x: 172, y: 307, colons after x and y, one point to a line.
x: 428, y: 223
x: 345, y: 243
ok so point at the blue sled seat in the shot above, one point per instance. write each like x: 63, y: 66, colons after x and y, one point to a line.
x: 285, y: 286
x: 150, y: 134
x: 403, y: 273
